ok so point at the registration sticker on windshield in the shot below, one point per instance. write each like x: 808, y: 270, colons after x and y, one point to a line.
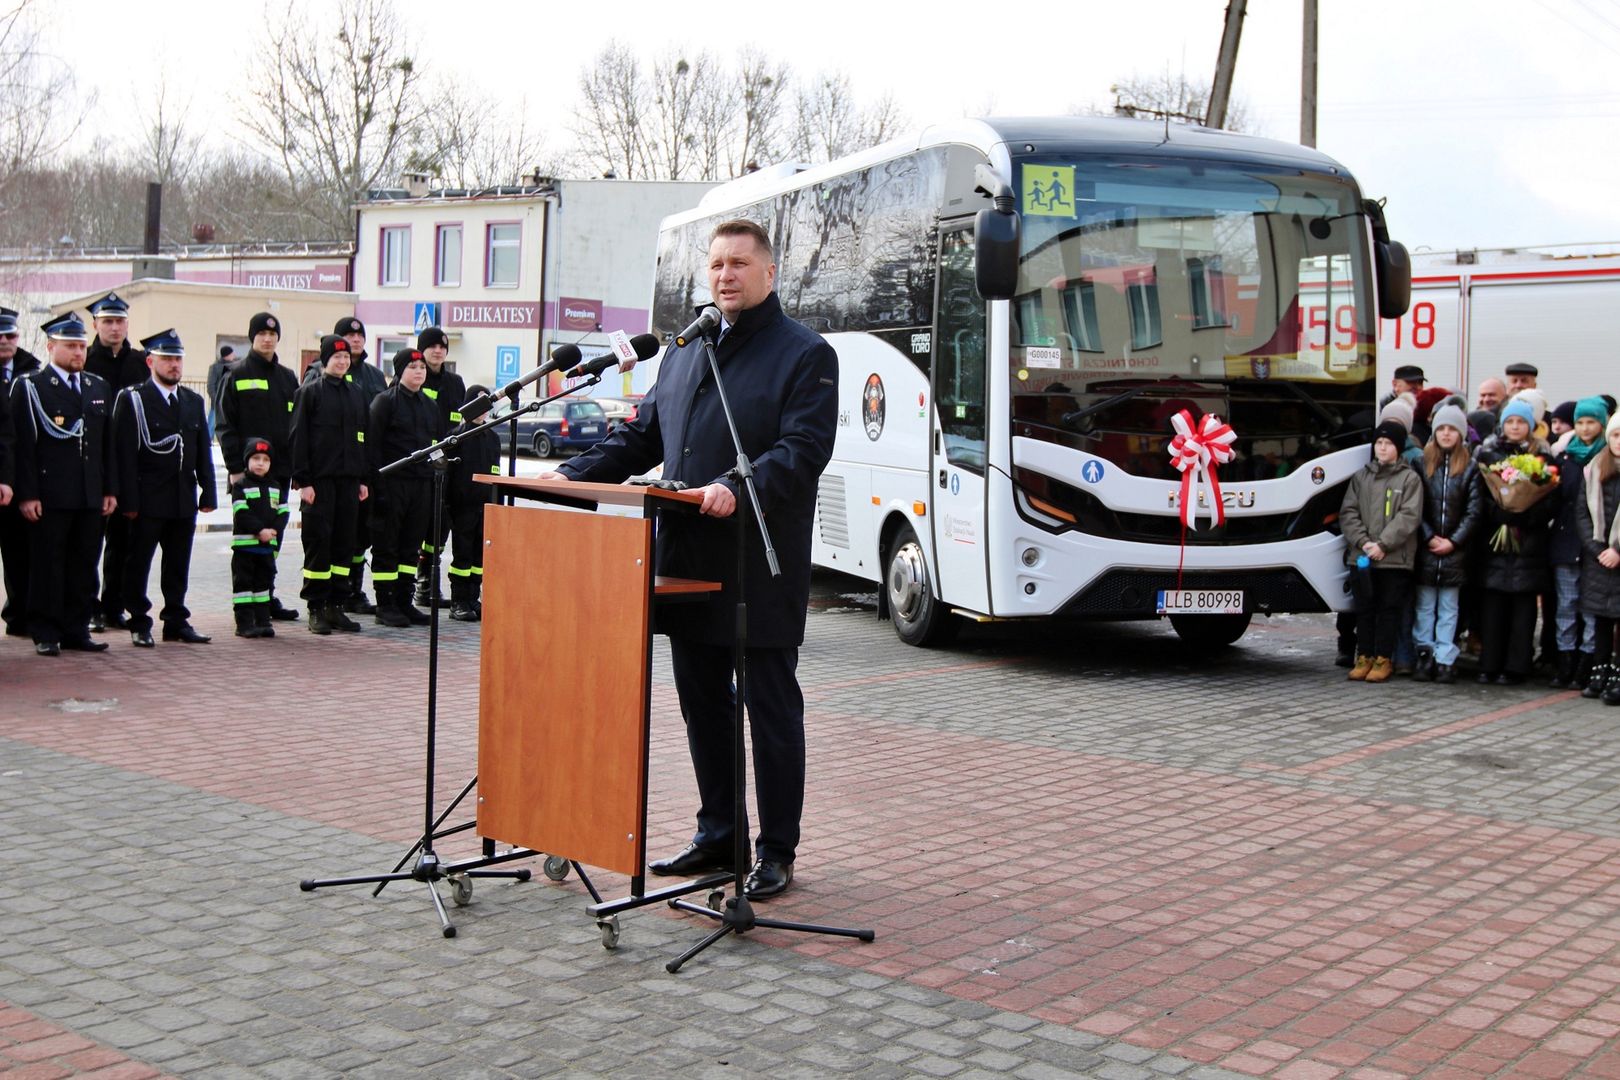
x: 1043, y: 357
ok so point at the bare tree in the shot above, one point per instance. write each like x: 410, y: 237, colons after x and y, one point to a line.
x: 762, y: 86
x: 468, y: 140
x: 338, y: 105
x: 685, y: 94
x: 609, y: 122
x: 169, y: 147
x: 828, y: 123
x: 38, y: 110
x: 1170, y: 95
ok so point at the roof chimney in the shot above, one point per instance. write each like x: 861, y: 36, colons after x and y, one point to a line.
x: 417, y: 184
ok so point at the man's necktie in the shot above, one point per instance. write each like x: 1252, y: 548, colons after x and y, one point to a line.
x: 73, y: 381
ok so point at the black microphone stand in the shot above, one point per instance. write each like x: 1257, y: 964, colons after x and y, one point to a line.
x: 428, y: 869
x: 738, y: 916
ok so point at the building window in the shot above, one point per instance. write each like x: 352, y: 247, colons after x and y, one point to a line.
x: 447, y: 259
x: 1208, y: 288
x: 396, y: 256
x: 1142, y: 298
x: 501, y: 259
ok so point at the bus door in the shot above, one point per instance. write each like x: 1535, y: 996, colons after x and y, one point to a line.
x: 959, y: 445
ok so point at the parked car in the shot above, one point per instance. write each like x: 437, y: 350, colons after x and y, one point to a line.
x: 566, y: 425
x: 620, y: 410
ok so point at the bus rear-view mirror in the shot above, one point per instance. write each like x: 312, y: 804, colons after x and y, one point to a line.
x: 1394, y: 278
x: 995, y: 253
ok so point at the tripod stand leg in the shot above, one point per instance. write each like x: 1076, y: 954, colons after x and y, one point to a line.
x: 675, y: 965
x: 817, y: 928
x: 438, y: 905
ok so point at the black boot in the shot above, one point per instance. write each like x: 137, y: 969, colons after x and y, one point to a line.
x: 1445, y: 674
x: 281, y: 612
x: 318, y: 622
x: 339, y: 621
x: 246, y: 625
x: 1583, y: 670
x: 1602, y: 674
x: 461, y: 609
x: 388, y: 613
x: 1611, y: 696
x: 416, y: 617
x: 1424, y: 670
x: 356, y: 601
x: 1564, y: 675
x: 261, y: 619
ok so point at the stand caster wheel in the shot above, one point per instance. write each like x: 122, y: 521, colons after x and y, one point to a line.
x: 717, y: 900
x: 610, y: 931
x: 461, y: 888
x: 556, y: 868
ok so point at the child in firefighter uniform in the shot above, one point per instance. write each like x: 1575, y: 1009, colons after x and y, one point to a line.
x: 476, y: 455
x: 330, y: 469
x: 258, y: 518
x: 403, y: 421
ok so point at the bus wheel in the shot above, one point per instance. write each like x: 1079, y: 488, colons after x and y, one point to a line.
x: 918, y: 616
x: 1210, y: 631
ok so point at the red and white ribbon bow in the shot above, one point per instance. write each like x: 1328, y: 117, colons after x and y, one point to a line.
x: 1196, y: 452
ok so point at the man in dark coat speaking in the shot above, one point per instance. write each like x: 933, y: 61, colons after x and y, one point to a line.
x: 782, y: 382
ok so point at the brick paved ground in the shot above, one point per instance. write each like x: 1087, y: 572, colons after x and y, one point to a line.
x: 1083, y: 852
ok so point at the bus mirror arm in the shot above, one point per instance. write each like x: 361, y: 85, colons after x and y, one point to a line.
x: 987, y: 182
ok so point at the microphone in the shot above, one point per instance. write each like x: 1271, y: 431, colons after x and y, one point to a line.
x: 561, y: 357
x: 641, y: 347
x: 702, y: 326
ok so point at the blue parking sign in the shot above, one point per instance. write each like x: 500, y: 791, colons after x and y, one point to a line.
x: 508, y: 358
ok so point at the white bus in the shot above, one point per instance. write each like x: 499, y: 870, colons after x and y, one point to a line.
x: 1020, y: 307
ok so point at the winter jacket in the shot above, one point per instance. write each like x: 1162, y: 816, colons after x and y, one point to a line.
x: 1600, y: 586
x: 255, y: 505
x: 329, y: 431
x: 1452, y: 509
x: 448, y: 391
x: 1564, y: 543
x: 1524, y: 570
x: 257, y: 401
x: 402, y: 422
x: 367, y: 376
x: 1383, y: 504
x: 126, y: 367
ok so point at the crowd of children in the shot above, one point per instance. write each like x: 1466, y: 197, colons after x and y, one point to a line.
x: 1463, y: 526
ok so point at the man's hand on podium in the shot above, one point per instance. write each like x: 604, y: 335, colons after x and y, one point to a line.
x: 718, y: 501
x: 552, y: 474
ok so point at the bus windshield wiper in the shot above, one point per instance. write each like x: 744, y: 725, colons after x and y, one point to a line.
x: 1072, y: 418
x: 1328, y: 419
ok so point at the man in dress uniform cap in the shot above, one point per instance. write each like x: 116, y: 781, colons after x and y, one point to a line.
x: 65, y: 486
x: 122, y: 364
x: 165, y: 463
x: 14, y: 364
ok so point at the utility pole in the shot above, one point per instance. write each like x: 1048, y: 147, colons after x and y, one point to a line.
x: 1307, y: 79
x: 1225, y: 64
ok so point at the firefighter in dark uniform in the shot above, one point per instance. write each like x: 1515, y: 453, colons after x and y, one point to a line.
x: 258, y: 519
x: 65, y: 486
x: 165, y: 462
x: 447, y: 390
x: 476, y: 455
x: 15, y: 362
x: 403, y: 420
x: 257, y: 400
x: 122, y: 365
x: 329, y: 469
x: 371, y: 381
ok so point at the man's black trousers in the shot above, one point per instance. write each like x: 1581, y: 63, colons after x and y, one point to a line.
x: 146, y: 535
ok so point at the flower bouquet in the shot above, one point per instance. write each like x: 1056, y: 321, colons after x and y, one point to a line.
x: 1517, y: 483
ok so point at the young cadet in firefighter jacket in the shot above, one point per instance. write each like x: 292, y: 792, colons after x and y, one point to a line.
x: 403, y: 421
x: 330, y: 468
x: 446, y: 390
x: 258, y: 519
x: 477, y: 455
x: 257, y: 401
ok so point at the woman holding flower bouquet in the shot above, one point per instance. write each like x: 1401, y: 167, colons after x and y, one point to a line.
x: 1380, y: 518
x: 1521, y: 486
x: 1599, y: 521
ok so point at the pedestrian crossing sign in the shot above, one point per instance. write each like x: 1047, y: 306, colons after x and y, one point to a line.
x: 1048, y: 190
x: 427, y: 314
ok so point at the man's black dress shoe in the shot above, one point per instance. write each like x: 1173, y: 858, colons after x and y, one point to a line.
x: 690, y: 860
x: 768, y: 879
x: 84, y: 645
x: 142, y: 639
x: 184, y: 632
x: 98, y: 622
x: 282, y: 613
x: 47, y: 648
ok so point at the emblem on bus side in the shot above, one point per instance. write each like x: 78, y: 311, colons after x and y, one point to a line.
x: 872, y: 406
x: 1318, y: 475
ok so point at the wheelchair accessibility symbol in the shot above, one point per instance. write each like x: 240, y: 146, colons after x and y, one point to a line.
x: 1091, y: 472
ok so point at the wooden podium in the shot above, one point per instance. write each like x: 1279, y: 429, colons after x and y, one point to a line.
x: 565, y: 674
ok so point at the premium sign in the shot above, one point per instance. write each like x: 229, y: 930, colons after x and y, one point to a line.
x: 522, y: 316
x: 577, y: 314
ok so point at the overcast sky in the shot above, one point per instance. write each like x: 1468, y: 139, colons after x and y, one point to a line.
x: 1486, y: 123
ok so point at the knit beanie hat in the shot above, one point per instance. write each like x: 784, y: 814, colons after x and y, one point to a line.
x: 1537, y: 402
x: 1518, y: 406
x: 1400, y: 411
x: 330, y: 344
x: 261, y: 322
x: 1613, y: 426
x: 1565, y: 411
x: 257, y: 445
x: 1450, y: 416
x: 1592, y: 408
x: 348, y: 325
x: 1428, y: 400
x: 432, y: 336
x: 402, y: 360
x: 1392, y: 430
x: 1483, y: 421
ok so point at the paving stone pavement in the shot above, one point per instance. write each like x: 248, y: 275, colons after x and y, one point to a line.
x: 1085, y: 853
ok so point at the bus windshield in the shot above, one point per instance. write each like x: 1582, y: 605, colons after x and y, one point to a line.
x: 1148, y: 286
